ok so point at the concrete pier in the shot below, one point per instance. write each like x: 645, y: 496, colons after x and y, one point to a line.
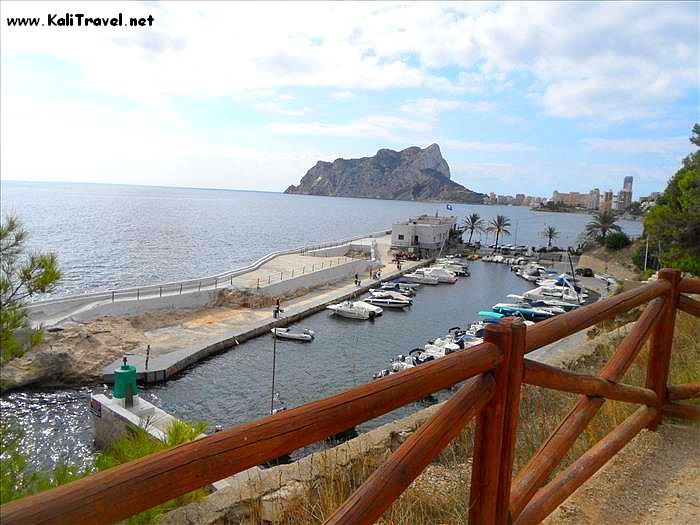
x: 180, y: 347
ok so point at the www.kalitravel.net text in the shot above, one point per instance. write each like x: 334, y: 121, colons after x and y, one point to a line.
x: 81, y: 20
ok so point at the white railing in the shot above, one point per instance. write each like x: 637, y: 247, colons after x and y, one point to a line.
x: 193, y: 285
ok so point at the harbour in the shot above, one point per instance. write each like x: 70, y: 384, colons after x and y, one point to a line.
x: 233, y: 387
x: 221, y: 372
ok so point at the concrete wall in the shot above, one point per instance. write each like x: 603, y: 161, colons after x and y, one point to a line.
x: 111, y: 420
x: 56, y: 312
x: 320, y: 277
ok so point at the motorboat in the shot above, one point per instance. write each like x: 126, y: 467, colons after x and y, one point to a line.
x: 403, y: 284
x: 453, y: 265
x: 545, y: 303
x: 396, y: 288
x: 355, y: 310
x: 559, y: 292
x: 419, y: 276
x: 404, y: 362
x: 531, y: 314
x: 390, y: 294
x: 442, y: 275
x: 285, y: 333
x: 530, y: 272
x: 388, y: 302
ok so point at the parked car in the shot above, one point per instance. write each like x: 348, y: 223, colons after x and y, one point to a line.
x: 584, y: 272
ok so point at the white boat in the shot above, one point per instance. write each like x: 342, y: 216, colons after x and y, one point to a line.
x: 396, y: 288
x: 389, y: 294
x: 421, y: 278
x: 442, y: 275
x: 452, y: 265
x: 284, y: 333
x: 548, y: 302
x: 401, y: 284
x: 388, y: 302
x: 440, y: 348
x: 559, y: 292
x: 355, y: 310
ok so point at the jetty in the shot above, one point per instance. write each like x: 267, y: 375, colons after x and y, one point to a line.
x: 322, y: 274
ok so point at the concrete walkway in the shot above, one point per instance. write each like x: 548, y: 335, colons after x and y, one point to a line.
x: 174, y: 348
x: 193, y: 293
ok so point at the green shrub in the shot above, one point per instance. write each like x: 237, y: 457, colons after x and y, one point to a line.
x: 617, y: 240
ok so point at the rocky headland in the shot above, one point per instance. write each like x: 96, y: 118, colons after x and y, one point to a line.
x: 411, y: 174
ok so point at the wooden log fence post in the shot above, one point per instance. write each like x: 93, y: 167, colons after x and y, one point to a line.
x: 488, y: 438
x: 516, y: 372
x: 661, y: 343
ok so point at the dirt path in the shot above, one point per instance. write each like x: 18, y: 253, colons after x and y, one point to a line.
x: 655, y: 479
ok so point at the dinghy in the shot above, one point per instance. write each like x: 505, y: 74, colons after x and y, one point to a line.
x: 284, y: 333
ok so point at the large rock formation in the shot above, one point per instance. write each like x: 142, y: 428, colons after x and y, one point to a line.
x: 410, y: 174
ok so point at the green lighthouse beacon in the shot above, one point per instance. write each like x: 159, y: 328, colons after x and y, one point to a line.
x: 125, y: 381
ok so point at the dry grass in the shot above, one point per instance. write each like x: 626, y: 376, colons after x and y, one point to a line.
x: 441, y: 494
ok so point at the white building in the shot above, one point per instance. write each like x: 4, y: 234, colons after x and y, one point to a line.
x: 424, y: 233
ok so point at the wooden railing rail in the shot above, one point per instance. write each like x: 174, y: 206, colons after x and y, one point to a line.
x: 688, y: 285
x: 157, y: 478
x: 561, y: 326
x: 546, y: 376
x: 561, y: 487
x: 557, y: 446
x: 387, y: 483
x: 493, y: 371
x: 689, y: 305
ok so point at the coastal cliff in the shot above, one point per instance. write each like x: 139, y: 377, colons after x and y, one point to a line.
x: 410, y: 174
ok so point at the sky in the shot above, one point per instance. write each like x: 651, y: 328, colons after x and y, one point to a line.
x: 521, y: 97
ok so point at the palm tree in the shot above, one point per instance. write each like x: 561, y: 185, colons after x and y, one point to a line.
x: 550, y: 233
x: 499, y: 225
x: 473, y: 223
x: 602, y: 223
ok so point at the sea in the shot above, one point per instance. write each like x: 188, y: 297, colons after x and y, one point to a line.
x: 114, y: 236
x: 110, y: 236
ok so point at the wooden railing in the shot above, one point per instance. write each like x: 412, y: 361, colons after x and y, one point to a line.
x: 492, y: 374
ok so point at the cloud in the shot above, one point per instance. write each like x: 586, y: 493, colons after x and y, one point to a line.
x: 666, y: 146
x: 432, y: 107
x: 604, y: 61
x: 377, y: 126
x: 342, y: 95
x: 490, y: 147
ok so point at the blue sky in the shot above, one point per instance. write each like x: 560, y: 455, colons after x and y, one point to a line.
x: 521, y: 97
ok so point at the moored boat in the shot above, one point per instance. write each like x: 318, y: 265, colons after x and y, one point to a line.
x: 531, y: 314
x: 355, y: 310
x: 421, y: 278
x: 388, y: 302
x: 284, y: 333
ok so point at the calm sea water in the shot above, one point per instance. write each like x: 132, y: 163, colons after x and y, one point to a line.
x: 111, y: 236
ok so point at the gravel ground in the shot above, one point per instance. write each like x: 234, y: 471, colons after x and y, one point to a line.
x: 655, y: 479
